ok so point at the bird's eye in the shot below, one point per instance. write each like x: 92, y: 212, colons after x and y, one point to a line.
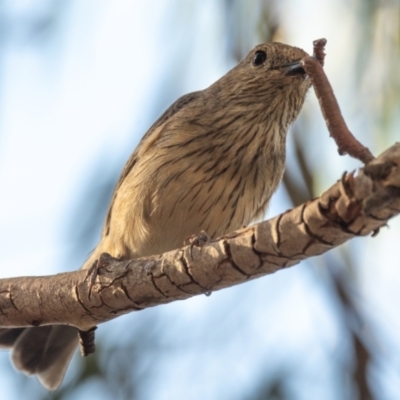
x: 259, y: 58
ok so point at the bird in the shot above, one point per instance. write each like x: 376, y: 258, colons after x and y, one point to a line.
x: 211, y: 162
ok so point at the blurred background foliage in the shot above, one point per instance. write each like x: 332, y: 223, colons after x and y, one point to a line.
x: 326, y: 329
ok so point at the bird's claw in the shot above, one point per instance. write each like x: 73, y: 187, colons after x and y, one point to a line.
x: 197, y: 240
x: 94, y: 270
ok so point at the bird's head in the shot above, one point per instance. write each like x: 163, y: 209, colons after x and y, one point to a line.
x: 270, y: 79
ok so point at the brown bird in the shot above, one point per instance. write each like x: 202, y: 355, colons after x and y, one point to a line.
x: 211, y: 162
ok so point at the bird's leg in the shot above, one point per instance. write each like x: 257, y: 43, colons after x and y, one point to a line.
x: 86, y: 341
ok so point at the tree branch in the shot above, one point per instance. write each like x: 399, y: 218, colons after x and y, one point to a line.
x: 354, y: 206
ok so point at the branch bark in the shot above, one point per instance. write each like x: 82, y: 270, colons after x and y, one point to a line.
x: 354, y: 206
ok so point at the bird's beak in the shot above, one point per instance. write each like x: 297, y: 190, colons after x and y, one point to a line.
x: 294, y: 68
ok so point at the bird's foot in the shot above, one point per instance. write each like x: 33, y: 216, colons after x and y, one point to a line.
x: 197, y: 240
x: 102, y: 262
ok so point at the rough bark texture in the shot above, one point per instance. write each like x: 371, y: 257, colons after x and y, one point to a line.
x: 354, y: 206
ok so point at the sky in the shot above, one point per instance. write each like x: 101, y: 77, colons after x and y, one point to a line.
x: 80, y: 83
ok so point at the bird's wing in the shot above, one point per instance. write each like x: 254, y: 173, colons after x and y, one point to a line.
x: 173, y: 109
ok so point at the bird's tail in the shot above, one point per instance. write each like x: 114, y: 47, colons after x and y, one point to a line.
x: 43, y: 351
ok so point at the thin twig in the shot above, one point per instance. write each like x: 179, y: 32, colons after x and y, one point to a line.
x: 319, y: 47
x: 346, y: 142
